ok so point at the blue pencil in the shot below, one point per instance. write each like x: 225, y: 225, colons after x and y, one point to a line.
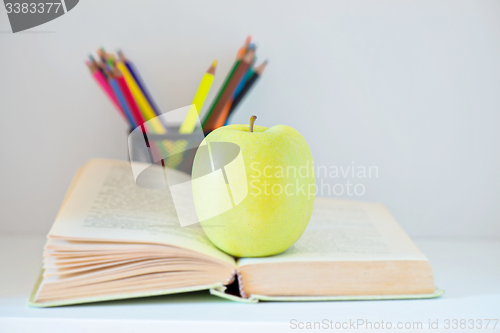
x: 243, y: 81
x: 123, y: 102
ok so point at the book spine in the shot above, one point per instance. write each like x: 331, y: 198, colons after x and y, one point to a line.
x: 240, y: 285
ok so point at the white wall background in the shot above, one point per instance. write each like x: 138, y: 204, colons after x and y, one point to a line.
x: 412, y: 87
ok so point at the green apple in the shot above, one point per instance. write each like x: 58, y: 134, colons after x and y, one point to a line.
x: 272, y: 190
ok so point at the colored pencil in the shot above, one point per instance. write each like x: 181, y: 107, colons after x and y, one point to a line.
x: 101, y: 54
x: 145, y: 108
x: 122, y: 84
x: 244, y: 48
x: 236, y: 93
x: 98, y: 66
x: 134, y: 109
x: 189, y: 123
x: 239, y: 55
x: 247, y: 76
x: 123, y: 102
x: 241, y: 67
x: 248, y: 85
x: 219, y: 93
x: 104, y: 84
x: 157, y: 150
x: 224, y: 115
x: 135, y: 73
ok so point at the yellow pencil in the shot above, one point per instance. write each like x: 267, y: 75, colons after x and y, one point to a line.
x: 189, y: 123
x: 146, y: 109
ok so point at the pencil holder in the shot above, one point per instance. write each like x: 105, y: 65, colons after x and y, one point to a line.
x: 173, y: 149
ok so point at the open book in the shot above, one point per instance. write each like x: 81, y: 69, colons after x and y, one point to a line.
x: 114, y: 240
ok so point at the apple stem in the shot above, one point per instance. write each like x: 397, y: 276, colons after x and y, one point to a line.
x: 252, y: 121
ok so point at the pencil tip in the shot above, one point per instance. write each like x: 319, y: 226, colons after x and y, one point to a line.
x: 121, y: 56
x: 260, y: 69
x: 215, y: 62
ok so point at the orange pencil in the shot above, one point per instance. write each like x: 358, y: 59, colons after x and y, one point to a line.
x: 244, y: 48
x: 222, y: 118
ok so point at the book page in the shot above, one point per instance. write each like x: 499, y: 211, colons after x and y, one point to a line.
x: 342, y: 230
x: 105, y: 204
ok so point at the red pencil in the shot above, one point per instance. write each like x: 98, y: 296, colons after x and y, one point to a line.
x: 104, y: 84
x: 136, y: 113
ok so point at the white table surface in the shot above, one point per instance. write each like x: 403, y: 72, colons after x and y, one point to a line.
x: 469, y: 271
